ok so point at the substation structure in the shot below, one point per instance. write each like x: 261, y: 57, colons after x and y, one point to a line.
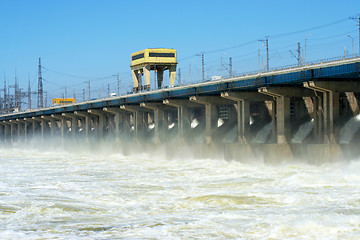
x: 244, y: 117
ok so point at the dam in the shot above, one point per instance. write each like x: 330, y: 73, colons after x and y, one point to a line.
x: 295, y: 112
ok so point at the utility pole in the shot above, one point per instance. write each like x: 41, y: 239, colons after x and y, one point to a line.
x: 5, y: 95
x: 16, y: 91
x: 230, y: 68
x: 102, y: 90
x: 46, y: 100
x: 299, y: 53
x: 118, y: 83
x: 179, y: 77
x: 108, y: 90
x: 358, y: 21
x: 190, y: 73
x: 29, y: 96
x: 267, y: 53
x: 202, y: 65
x: 221, y: 66
x: 352, y: 41
x: 10, y: 100
x: 298, y: 57
x: 89, y: 91
x: 40, y: 87
x: 17, y: 94
x: 305, y: 48
x: 259, y: 60
x: 84, y: 95
x: 266, y: 41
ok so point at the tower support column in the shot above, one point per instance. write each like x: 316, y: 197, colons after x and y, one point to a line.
x: 172, y: 75
x: 136, y: 79
x: 160, y: 77
x: 146, y: 71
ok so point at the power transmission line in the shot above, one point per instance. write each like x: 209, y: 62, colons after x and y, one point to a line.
x: 309, y: 29
x: 228, y: 48
x: 75, y: 76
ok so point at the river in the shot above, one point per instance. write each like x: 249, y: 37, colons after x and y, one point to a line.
x: 78, y: 195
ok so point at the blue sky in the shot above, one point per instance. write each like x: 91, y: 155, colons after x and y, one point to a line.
x: 92, y: 40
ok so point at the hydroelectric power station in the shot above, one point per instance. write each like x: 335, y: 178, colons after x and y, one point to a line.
x: 300, y: 112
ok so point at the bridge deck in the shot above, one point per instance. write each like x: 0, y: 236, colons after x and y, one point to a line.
x: 348, y: 69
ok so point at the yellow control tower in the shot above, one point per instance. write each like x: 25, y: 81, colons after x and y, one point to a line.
x: 157, y: 59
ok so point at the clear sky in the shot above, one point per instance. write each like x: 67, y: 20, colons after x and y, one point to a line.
x: 82, y: 40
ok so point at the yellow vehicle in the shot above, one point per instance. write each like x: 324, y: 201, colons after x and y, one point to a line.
x: 63, y: 101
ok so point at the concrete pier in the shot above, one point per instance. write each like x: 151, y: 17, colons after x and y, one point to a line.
x: 118, y: 119
x: 184, y: 111
x: 159, y: 120
x: 87, y: 125
x: 211, y: 104
x: 73, y: 119
x: 39, y: 124
x: 99, y: 122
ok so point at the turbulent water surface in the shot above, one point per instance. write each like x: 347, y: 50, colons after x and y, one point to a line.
x: 62, y: 195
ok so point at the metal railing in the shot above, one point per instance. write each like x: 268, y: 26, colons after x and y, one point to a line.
x: 291, y: 66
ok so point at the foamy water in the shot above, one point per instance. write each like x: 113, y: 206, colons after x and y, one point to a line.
x: 59, y: 195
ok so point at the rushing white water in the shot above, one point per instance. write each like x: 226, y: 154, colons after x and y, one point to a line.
x: 194, y: 123
x: 303, y: 131
x: 59, y: 195
x: 350, y: 128
x: 263, y: 134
